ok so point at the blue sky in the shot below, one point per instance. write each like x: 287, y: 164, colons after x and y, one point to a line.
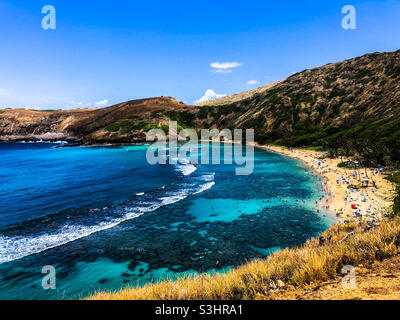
x: 105, y: 52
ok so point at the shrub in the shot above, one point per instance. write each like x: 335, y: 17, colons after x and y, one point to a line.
x: 363, y: 73
x: 396, y: 203
x: 125, y: 126
x: 150, y: 127
x: 157, y: 113
x: 392, y: 70
x: 262, y: 137
x: 395, y: 179
x: 203, y: 113
x: 184, y: 118
x: 165, y: 128
x: 344, y: 165
x: 114, y: 127
x: 206, y: 125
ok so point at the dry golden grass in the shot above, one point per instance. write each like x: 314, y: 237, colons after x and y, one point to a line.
x: 290, y: 267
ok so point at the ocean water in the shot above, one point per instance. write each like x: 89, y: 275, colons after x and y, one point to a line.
x: 106, y: 219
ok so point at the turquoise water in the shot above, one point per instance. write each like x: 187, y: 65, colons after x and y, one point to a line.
x: 105, y: 218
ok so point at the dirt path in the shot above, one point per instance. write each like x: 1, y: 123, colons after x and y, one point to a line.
x: 381, y: 281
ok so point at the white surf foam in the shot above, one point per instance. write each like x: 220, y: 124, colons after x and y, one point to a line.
x: 17, y: 248
x: 13, y: 248
x: 187, y: 169
x: 43, y: 141
x: 205, y: 187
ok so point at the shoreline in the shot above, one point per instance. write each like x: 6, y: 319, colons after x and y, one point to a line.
x: 369, y: 203
x: 344, y: 203
x: 324, y: 203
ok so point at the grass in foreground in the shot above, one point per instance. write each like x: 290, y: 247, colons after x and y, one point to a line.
x: 290, y: 267
x: 377, y: 281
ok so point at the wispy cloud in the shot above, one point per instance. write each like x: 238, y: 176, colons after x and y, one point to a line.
x: 252, y: 82
x: 38, y: 101
x: 11, y: 98
x: 209, y: 95
x: 77, y: 104
x: 101, y: 103
x: 81, y: 104
x: 224, y: 67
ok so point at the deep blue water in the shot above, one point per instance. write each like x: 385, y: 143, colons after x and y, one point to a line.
x: 105, y: 218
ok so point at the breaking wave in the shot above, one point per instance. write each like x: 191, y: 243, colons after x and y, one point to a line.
x: 19, y: 246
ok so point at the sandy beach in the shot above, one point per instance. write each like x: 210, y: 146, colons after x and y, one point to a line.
x: 347, y: 204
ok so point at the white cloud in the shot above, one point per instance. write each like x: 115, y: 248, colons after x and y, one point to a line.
x: 101, y: 103
x: 32, y: 100
x: 81, y: 104
x: 209, y: 95
x: 224, y: 67
x: 252, y: 82
x: 77, y: 104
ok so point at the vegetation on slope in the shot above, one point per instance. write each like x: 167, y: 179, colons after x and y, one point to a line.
x: 382, y: 134
x: 395, y: 179
x: 323, y: 106
x: 290, y: 267
x: 348, y: 108
x: 120, y: 123
x: 125, y: 126
x: 238, y: 96
x: 396, y: 202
